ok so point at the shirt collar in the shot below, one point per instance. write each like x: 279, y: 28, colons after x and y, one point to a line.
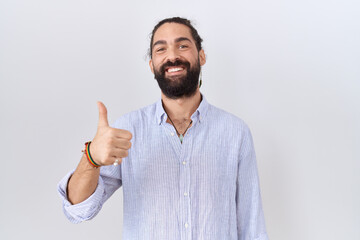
x: 200, y: 112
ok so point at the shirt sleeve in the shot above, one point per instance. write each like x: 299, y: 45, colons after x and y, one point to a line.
x: 250, y: 217
x: 109, y: 182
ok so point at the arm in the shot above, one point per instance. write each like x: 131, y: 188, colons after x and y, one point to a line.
x: 83, y: 182
x: 250, y: 217
x: 87, y: 188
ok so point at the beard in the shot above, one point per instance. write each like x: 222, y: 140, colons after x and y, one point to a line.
x: 178, y: 86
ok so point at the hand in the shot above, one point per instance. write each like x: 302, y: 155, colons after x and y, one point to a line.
x: 109, y: 143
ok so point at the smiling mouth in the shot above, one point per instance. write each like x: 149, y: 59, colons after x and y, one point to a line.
x: 174, y: 69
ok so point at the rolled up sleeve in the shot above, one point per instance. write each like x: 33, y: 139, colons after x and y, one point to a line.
x: 108, y: 183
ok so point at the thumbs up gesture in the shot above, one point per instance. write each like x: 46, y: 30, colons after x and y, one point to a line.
x: 109, y: 144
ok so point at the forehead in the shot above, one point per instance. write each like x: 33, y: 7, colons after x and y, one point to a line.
x: 172, y: 31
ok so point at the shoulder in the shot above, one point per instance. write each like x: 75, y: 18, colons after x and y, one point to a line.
x: 226, y: 120
x: 230, y: 130
x: 143, y: 115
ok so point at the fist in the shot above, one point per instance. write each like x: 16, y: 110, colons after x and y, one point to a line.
x: 109, y: 144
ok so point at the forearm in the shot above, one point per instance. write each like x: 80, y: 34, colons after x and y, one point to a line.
x: 83, y: 182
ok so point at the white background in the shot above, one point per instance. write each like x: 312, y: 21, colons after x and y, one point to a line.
x: 290, y: 69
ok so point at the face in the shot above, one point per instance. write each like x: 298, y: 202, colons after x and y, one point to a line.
x: 176, y: 61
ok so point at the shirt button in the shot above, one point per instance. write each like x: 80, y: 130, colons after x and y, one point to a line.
x: 172, y: 134
x: 185, y: 194
x: 186, y: 225
x: 183, y: 162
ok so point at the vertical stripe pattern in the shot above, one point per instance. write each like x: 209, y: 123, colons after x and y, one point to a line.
x: 206, y: 188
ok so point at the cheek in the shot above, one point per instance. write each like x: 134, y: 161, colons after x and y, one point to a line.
x: 156, y: 64
x: 193, y: 57
x: 156, y: 68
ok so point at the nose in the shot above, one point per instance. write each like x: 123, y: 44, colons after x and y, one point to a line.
x: 172, y: 55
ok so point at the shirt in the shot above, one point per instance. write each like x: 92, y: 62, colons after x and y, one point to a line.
x: 206, y: 188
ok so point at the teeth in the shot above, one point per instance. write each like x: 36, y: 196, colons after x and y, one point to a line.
x: 174, y: 69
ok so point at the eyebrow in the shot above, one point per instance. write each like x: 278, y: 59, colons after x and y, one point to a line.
x: 159, y: 42
x: 182, y: 39
x: 176, y: 40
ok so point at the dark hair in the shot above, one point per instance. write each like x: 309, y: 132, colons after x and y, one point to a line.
x: 179, y: 20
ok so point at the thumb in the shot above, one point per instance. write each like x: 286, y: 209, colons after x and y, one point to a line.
x: 103, y: 120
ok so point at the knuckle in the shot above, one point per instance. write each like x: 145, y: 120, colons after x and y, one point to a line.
x: 126, y: 134
x: 129, y: 135
x: 125, y: 153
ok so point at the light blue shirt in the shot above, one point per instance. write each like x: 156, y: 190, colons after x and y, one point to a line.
x: 206, y: 188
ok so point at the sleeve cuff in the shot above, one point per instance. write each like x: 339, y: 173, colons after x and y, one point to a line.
x: 85, y: 210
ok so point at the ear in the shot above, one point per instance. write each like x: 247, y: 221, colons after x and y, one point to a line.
x: 202, y: 57
x: 151, y: 66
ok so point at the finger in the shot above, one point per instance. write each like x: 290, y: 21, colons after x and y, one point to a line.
x: 122, y: 143
x: 121, y: 133
x: 103, y: 121
x: 119, y: 153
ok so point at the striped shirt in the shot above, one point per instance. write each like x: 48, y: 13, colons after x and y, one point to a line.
x: 206, y: 188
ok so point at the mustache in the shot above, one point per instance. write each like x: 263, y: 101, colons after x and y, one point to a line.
x: 177, y: 62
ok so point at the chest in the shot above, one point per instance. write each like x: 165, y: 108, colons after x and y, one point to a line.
x: 157, y: 158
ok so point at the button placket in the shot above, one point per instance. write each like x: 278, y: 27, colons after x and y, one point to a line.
x: 186, y: 166
x: 183, y: 151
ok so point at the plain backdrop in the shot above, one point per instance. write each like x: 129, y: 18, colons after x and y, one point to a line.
x: 290, y: 69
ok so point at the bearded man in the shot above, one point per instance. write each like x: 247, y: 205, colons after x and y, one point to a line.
x: 187, y: 169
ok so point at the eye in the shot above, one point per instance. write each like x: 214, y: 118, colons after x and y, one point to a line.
x: 160, y: 50
x: 183, y: 46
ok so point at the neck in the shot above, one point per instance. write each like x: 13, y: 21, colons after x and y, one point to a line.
x: 181, y: 109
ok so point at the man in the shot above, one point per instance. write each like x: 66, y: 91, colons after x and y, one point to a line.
x: 187, y: 168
